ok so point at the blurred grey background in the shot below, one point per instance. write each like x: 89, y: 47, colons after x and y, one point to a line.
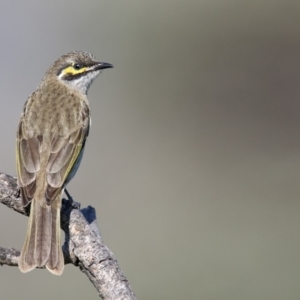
x: 193, y: 160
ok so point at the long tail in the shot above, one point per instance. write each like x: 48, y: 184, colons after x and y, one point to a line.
x: 42, y: 244
x: 56, y: 262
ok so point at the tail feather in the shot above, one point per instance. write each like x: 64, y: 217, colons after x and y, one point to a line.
x: 42, y: 244
x: 27, y: 261
x: 55, y: 263
x: 43, y: 230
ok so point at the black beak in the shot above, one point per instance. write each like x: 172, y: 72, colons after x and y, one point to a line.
x: 102, y: 66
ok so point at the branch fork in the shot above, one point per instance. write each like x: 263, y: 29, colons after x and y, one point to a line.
x: 83, y: 246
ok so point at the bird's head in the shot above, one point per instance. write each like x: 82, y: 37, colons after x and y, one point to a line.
x: 76, y: 69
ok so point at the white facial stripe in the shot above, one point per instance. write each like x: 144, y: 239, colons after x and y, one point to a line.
x: 82, y: 83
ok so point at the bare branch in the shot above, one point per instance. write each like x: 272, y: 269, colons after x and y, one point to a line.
x: 9, y: 256
x: 83, y: 247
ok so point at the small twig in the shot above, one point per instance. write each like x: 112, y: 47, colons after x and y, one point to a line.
x: 83, y: 247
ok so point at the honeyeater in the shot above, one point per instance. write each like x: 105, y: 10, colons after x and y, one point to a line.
x: 51, y: 136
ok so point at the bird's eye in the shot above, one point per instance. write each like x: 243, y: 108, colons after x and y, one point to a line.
x: 77, y: 66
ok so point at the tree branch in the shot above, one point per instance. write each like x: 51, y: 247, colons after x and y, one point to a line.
x: 83, y: 246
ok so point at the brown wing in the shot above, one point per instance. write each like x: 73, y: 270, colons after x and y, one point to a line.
x: 63, y: 161
x: 27, y: 156
x: 63, y: 157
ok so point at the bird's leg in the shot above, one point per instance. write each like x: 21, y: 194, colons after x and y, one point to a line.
x: 73, y: 203
x: 18, y: 193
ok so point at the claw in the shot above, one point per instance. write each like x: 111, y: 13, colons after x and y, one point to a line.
x: 73, y: 203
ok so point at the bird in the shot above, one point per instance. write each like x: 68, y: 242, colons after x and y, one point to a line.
x: 51, y: 136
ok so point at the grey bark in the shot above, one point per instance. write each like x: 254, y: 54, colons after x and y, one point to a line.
x: 83, y: 246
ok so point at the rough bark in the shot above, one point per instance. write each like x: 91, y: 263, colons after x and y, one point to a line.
x: 83, y: 246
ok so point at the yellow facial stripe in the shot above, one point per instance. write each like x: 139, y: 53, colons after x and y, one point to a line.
x: 71, y: 70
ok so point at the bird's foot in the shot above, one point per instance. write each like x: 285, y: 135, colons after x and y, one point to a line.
x: 73, y: 203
